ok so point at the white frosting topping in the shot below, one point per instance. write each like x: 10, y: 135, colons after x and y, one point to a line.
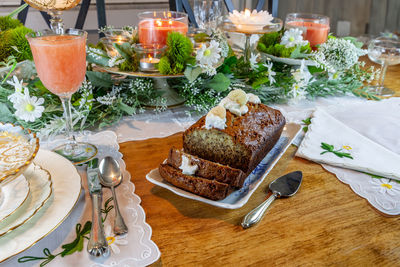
x: 214, y: 121
x: 233, y: 106
x: 252, y: 98
x: 186, y: 167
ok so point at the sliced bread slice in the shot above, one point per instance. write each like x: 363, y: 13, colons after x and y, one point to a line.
x: 208, y: 169
x: 211, y: 189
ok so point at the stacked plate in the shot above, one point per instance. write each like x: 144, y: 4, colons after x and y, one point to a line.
x: 38, y: 190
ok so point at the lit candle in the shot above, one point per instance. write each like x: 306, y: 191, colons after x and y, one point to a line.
x: 154, y: 26
x: 148, y: 64
x: 249, y: 22
x: 315, y: 27
x: 156, y: 31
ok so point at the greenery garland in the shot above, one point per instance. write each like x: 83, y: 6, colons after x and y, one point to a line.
x: 210, y: 73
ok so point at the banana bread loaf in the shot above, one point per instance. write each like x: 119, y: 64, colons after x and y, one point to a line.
x: 211, y: 189
x: 207, y: 169
x: 243, y: 143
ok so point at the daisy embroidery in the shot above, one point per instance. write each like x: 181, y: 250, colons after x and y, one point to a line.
x: 386, y: 186
x: 115, y: 241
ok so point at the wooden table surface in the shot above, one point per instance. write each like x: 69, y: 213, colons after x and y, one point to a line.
x: 324, y: 224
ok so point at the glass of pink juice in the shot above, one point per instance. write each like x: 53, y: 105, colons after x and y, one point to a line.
x: 60, y: 61
x: 315, y: 27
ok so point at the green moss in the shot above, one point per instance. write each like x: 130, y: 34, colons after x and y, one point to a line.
x: 13, y: 42
x: 7, y: 23
x: 129, y: 65
x: 179, y: 47
x: 178, y: 54
x: 164, y: 66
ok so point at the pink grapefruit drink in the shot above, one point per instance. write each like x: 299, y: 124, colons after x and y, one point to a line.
x: 60, y: 61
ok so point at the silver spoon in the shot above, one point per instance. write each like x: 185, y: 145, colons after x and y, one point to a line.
x: 110, y: 176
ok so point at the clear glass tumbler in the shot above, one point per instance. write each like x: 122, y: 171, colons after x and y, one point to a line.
x: 208, y: 13
x: 386, y: 52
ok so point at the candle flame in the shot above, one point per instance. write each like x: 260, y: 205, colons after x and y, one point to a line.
x: 170, y: 22
x: 247, y: 12
x: 159, y: 23
x: 150, y: 58
x: 119, y: 40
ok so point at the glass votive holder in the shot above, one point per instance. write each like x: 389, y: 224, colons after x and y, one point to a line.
x: 315, y: 27
x: 154, y: 26
x: 109, y: 41
x: 149, y: 56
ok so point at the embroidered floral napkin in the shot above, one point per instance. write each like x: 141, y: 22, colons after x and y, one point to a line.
x: 331, y: 142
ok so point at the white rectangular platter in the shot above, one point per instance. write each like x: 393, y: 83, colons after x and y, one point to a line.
x: 239, y: 197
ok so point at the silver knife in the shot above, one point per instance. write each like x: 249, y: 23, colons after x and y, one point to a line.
x: 284, y: 186
x: 98, y: 244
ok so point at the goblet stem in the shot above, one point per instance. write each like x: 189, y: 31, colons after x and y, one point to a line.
x: 247, y: 49
x: 382, y: 78
x: 66, y: 103
x: 56, y: 22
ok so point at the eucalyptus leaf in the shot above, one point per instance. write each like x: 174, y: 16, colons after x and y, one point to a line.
x: 124, y: 107
x: 219, y: 83
x: 124, y: 49
x: 192, y: 73
x: 100, y: 79
x: 5, y: 114
x: 97, y: 56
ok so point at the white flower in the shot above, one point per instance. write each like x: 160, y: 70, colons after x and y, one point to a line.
x: 302, y: 76
x: 209, y: 70
x: 334, y: 75
x: 271, y: 73
x: 209, y: 55
x: 254, y: 39
x: 114, y: 241
x: 253, y: 61
x: 298, y: 92
x: 337, y: 54
x: 293, y: 37
x: 115, y: 61
x: 28, y: 108
x: 386, y: 186
x: 18, y: 89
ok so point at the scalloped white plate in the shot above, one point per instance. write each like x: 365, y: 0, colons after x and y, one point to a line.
x: 66, y: 191
x: 12, y: 196
x: 238, y: 198
x: 40, y: 191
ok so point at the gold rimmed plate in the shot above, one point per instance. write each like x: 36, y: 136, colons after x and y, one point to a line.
x: 66, y: 187
x: 40, y: 185
x: 18, y: 148
x: 13, y: 195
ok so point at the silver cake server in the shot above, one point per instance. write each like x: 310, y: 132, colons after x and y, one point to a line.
x: 98, y: 244
x: 284, y: 186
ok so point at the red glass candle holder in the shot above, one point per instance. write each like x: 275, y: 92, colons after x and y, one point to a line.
x: 154, y: 26
x: 315, y: 27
